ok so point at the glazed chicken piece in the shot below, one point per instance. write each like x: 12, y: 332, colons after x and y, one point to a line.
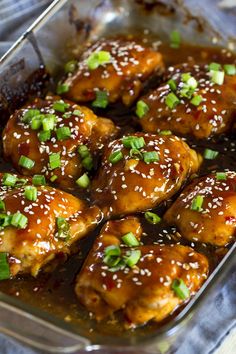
x: 190, y: 103
x: 136, y: 179
x: 206, y: 210
x: 117, y: 67
x: 39, y: 223
x: 145, y: 290
x: 49, y: 133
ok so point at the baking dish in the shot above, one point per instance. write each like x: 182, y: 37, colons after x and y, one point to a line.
x: 74, y: 22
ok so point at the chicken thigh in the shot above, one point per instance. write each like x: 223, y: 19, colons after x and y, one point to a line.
x: 44, y: 137
x: 143, y: 281
x: 190, y: 102
x: 206, y: 210
x: 115, y: 67
x: 138, y: 172
x: 38, y: 222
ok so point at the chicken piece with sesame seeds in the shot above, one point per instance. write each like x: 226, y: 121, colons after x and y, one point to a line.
x: 206, y: 210
x: 145, y: 289
x: 118, y: 67
x: 39, y: 224
x: 140, y: 171
x: 49, y: 133
x: 193, y: 101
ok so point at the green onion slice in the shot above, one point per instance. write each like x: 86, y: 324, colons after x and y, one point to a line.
x: 2, y: 205
x: 44, y: 135
x: 180, y: 289
x: 31, y: 193
x: 230, y: 69
x: 197, y: 203
x: 152, y: 218
x: 196, y: 100
x: 221, y: 176
x: 210, y: 154
x: 98, y: 58
x: 9, y: 180
x: 63, y: 133
x: 4, y: 267
x: 60, y: 106
x: 136, y: 154
x: 19, y: 220
x: 133, y: 142
x: 83, y: 151
x: 83, y: 181
x: 130, y: 240
x: 165, y: 132
x: 25, y: 162
x: 150, y: 156
x: 101, y: 100
x: 175, y: 39
x: 5, y: 220
x: 172, y: 85
x: 87, y: 163
x: 115, y: 157
x: 63, y: 228
x: 214, y: 66
x: 54, y: 161
x: 29, y: 115
x: 171, y: 100
x: 132, y: 257
x: 70, y: 66
x: 217, y: 77
x: 141, y: 109
x: 38, y: 180
x: 62, y: 88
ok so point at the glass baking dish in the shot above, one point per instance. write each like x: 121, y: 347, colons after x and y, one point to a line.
x: 58, y: 33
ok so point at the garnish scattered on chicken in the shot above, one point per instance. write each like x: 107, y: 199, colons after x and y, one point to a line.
x: 146, y: 282
x: 206, y: 210
x: 110, y: 70
x: 38, y: 222
x: 56, y: 138
x: 196, y: 100
x: 140, y: 171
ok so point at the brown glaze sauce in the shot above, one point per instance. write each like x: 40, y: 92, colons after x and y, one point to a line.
x: 54, y: 293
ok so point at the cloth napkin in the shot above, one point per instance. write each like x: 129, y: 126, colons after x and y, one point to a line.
x: 216, y: 329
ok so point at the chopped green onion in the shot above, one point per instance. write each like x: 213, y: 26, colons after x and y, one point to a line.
x: 132, y: 257
x: 29, y: 115
x: 133, y: 142
x: 53, y: 178
x: 21, y: 181
x: 9, y: 180
x: 101, y: 99
x: 196, y: 100
x: 112, y: 250
x: 210, y: 154
x: 31, y: 193
x: 115, y: 157
x: 165, y: 132
x: 87, y: 163
x: 172, y: 84
x: 38, y: 180
x: 192, y: 83
x: 25, y: 162
x: 83, y: 151
x: 83, y: 181
x: 48, y: 122
x: 180, y: 289
x: 70, y: 66
x: 130, y: 240
x: 67, y: 115
x: 152, y: 218
x: 136, y: 154
x: 217, y: 77
x: 230, y: 69
x: 4, y: 267
x: 141, y: 109
x: 77, y: 112
x: 221, y: 176
x: 150, y: 156
x: 60, y: 106
x: 55, y: 160
x: 19, y: 220
x: 197, y: 203
x: 185, y: 77
x: 171, y: 100
x: 44, y: 135
x: 62, y: 88
x: 63, y: 133
x: 63, y: 228
x: 36, y: 122
x: 5, y: 220
x: 186, y: 91
x: 175, y: 39
x: 2, y: 205
x: 214, y: 67
x: 98, y: 58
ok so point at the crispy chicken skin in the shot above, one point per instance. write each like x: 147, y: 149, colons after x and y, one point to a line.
x: 132, y: 185
x: 143, y: 292
x: 214, y: 114
x: 85, y: 129
x: 215, y: 223
x: 39, y: 242
x: 122, y: 76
